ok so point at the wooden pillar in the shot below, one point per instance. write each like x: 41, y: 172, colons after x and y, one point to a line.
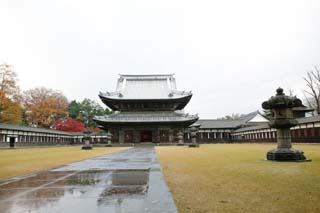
x: 170, y: 135
x: 121, y: 136
x: 136, y: 136
x: 155, y: 135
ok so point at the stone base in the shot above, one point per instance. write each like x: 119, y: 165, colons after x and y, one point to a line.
x: 109, y: 145
x: 286, y: 154
x: 86, y: 147
x: 180, y: 144
x: 194, y: 145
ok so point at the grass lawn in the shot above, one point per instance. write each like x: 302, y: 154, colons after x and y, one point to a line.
x: 14, y: 162
x: 236, y: 178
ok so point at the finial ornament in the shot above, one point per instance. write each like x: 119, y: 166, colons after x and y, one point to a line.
x: 280, y: 91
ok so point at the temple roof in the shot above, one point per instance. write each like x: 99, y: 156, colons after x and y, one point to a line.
x: 266, y: 126
x: 146, y: 87
x: 146, y: 117
x: 219, y: 124
x: 37, y: 130
x: 252, y: 118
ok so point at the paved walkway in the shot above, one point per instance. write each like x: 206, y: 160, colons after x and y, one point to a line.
x: 126, y: 181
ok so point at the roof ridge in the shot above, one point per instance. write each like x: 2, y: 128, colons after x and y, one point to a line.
x: 147, y: 75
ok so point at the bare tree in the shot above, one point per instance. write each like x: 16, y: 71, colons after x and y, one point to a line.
x: 291, y: 92
x: 312, y: 93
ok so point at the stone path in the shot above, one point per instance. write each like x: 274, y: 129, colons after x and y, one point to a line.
x: 126, y: 181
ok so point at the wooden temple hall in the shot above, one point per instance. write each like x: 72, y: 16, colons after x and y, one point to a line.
x: 146, y: 108
x: 150, y: 108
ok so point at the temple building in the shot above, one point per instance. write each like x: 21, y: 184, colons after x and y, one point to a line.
x: 146, y: 108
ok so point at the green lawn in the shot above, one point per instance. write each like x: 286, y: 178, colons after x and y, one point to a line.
x: 236, y: 178
x: 14, y: 162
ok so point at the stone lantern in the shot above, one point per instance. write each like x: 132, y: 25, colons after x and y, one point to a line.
x: 193, y: 134
x: 87, y: 138
x: 109, y: 138
x: 282, y: 120
x: 180, y: 138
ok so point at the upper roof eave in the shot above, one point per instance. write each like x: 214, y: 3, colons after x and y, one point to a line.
x: 112, y: 97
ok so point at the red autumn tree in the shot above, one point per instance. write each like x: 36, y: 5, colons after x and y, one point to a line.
x: 69, y: 125
x: 93, y: 129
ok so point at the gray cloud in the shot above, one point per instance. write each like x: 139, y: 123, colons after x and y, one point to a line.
x: 231, y: 54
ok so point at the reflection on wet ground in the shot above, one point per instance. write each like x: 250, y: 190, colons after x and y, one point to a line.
x: 107, y: 189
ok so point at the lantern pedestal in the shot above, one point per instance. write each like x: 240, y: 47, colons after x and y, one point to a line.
x: 87, y: 139
x: 286, y: 154
x: 109, y: 137
x: 87, y: 145
x: 193, y: 134
x: 180, y: 139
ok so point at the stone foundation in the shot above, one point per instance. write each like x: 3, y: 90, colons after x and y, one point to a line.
x: 286, y: 154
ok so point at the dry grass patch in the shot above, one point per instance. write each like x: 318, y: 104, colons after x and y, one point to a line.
x: 15, y: 162
x: 236, y: 178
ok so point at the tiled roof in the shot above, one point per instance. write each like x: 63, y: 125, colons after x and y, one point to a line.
x: 33, y: 129
x: 309, y: 119
x: 144, y: 87
x: 266, y: 126
x: 156, y: 116
x: 249, y: 128
x: 225, y: 124
x: 219, y: 124
x: 47, y: 131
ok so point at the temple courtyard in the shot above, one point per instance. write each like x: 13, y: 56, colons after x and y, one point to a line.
x: 237, y: 178
x: 212, y: 178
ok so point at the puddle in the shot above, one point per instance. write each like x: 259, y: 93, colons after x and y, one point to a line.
x: 9, y: 193
x: 127, y: 182
x: 124, y: 190
x: 35, y: 180
x: 120, y: 160
x: 45, y: 193
x: 84, y: 178
x: 130, y: 177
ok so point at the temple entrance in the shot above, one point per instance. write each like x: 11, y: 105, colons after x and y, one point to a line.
x: 146, y: 136
x: 12, y: 142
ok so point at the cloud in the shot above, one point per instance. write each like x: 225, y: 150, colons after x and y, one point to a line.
x: 231, y: 54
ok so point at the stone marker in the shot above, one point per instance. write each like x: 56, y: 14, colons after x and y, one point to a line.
x: 282, y: 120
x: 193, y: 134
x: 180, y: 138
x: 109, y: 138
x: 87, y: 138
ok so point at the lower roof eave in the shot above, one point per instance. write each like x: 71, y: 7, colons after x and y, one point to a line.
x: 185, y: 123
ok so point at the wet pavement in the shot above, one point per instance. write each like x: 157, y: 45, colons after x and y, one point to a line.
x: 126, y: 181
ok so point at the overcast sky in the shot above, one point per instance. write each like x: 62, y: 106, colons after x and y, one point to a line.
x: 232, y: 54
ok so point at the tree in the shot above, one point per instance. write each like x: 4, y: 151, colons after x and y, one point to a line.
x: 89, y: 109
x: 10, y: 107
x: 8, y: 81
x: 10, y: 112
x: 312, y: 92
x: 74, y: 109
x: 69, y: 125
x: 85, y: 111
x: 44, y: 106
